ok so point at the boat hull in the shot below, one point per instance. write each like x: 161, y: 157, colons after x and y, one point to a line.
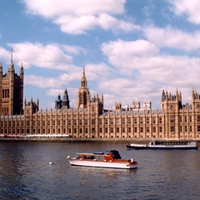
x: 172, y: 147
x: 164, y: 148
x: 137, y: 146
x: 102, y: 164
x: 190, y: 146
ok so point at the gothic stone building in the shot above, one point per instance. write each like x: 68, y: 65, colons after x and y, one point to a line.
x: 174, y: 121
x: 11, y: 91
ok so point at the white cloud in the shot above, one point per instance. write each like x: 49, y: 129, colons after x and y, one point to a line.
x: 55, y: 92
x: 80, y: 24
x: 51, y: 56
x: 61, y: 81
x: 78, y: 16
x: 129, y: 48
x: 43, y: 82
x: 39, y: 55
x: 148, y: 73
x: 4, y: 54
x: 76, y: 25
x: 173, y: 38
x: 76, y: 50
x: 127, y: 55
x: 99, y: 71
x: 188, y: 8
x: 125, y: 90
x: 52, y: 8
x: 72, y: 76
x: 143, y: 55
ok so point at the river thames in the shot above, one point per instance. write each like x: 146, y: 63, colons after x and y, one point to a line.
x: 25, y: 173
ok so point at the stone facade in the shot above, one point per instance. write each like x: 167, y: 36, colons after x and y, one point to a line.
x: 11, y: 91
x: 90, y: 120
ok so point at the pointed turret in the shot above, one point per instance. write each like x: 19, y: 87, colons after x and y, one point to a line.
x: 163, y: 96
x: 58, y: 103
x: 38, y: 103
x: 21, y: 71
x: 11, y: 68
x: 66, y: 99
x: 84, y: 93
x: 83, y: 79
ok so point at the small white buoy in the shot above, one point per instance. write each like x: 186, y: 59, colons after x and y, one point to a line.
x: 50, y: 163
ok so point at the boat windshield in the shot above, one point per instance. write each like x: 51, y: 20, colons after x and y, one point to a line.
x: 78, y: 156
x: 115, y: 154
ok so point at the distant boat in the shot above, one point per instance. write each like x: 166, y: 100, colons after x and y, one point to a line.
x: 164, y: 145
x: 110, y: 159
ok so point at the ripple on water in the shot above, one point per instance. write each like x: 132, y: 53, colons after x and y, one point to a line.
x: 25, y: 173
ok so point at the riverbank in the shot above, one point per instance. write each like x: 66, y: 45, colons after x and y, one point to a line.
x: 85, y: 140
x: 71, y: 140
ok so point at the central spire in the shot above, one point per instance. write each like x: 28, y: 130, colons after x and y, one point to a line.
x: 84, y: 93
x: 11, y: 55
x: 83, y: 79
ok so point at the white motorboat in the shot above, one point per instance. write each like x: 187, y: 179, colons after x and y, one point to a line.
x: 110, y: 159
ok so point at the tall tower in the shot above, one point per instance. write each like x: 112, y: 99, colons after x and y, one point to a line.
x: 171, y: 103
x: 195, y: 100
x: 66, y: 99
x: 59, y: 103
x: 83, y: 93
x: 11, y: 91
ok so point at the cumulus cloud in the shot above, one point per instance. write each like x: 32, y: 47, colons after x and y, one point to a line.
x: 79, y: 16
x: 75, y: 50
x: 173, y: 38
x: 130, y: 48
x: 49, y: 56
x: 124, y: 54
x: 188, y: 8
x: 54, y: 92
x: 52, y: 8
x: 80, y: 24
x: 100, y: 71
x: 94, y: 72
x: 43, y: 82
x: 125, y: 90
x: 39, y: 55
x: 4, y: 54
x: 143, y: 55
x: 149, y: 72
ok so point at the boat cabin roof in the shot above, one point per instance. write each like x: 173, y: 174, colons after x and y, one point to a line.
x: 114, y: 153
x: 92, y: 154
x: 158, y: 142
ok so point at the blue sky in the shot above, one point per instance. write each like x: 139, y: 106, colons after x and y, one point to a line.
x: 131, y: 49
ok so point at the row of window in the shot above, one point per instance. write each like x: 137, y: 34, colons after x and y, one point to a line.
x: 5, y: 110
x: 81, y: 122
x: 5, y: 93
x: 43, y: 123
x: 93, y: 121
x: 103, y: 130
x: 75, y: 131
x: 141, y: 120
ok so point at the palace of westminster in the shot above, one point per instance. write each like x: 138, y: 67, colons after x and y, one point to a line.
x: 18, y: 117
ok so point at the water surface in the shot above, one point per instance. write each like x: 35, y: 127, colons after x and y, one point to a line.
x: 25, y: 173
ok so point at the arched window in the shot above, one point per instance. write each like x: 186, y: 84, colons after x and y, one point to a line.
x: 85, y: 98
